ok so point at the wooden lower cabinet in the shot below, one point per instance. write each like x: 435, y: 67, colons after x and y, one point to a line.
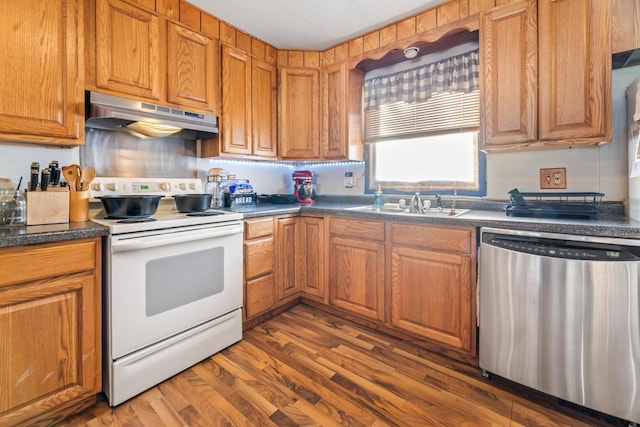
x: 311, y: 252
x: 433, y: 284
x: 50, y: 330
x: 259, y: 272
x: 286, y: 257
x: 356, y: 266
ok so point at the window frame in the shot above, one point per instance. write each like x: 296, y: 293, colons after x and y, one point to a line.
x: 424, y: 187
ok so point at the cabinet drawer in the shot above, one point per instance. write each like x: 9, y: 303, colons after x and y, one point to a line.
x: 32, y: 262
x: 259, y: 256
x: 459, y: 240
x: 254, y: 228
x: 260, y: 295
x: 369, y: 230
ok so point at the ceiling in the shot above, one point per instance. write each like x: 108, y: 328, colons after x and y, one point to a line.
x: 311, y: 24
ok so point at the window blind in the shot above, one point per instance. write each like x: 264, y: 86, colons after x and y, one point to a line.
x: 442, y: 113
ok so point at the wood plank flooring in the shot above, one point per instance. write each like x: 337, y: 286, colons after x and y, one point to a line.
x: 306, y: 367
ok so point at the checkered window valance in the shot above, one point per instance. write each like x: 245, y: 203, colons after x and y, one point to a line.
x: 460, y: 73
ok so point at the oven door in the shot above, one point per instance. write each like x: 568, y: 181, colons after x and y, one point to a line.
x: 163, y: 282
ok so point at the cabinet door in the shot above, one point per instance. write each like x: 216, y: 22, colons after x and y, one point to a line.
x: 263, y: 105
x: 508, y: 49
x: 431, y: 295
x: 287, y: 257
x: 625, y: 25
x: 311, y: 244
x: 356, y: 276
x: 334, y: 111
x: 574, y: 70
x: 49, y: 335
x: 192, y: 69
x: 235, y: 118
x: 128, y: 49
x: 42, y: 87
x: 299, y: 131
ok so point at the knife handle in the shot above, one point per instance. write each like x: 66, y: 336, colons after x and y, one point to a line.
x: 35, y: 171
x: 44, y: 182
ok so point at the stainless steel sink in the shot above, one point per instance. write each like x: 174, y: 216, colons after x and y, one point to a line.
x: 400, y: 211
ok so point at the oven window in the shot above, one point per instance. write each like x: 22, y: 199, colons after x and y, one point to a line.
x: 178, y: 280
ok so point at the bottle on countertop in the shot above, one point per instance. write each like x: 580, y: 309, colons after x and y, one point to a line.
x: 378, y: 201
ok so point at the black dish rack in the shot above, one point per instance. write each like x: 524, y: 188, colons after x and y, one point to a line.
x: 554, y: 205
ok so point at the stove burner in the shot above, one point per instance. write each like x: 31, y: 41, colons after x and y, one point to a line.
x: 133, y: 220
x: 205, y: 213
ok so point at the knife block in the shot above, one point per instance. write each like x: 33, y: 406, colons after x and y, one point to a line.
x: 47, y: 207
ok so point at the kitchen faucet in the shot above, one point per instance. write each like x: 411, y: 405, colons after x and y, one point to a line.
x: 416, y: 204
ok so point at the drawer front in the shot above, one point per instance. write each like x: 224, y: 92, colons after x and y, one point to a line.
x: 447, y: 239
x: 259, y: 257
x: 260, y: 295
x: 20, y: 264
x: 259, y: 227
x: 369, y: 230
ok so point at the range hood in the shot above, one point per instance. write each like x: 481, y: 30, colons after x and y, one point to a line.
x: 146, y: 119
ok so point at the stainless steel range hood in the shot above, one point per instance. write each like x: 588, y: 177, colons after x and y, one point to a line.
x: 146, y: 119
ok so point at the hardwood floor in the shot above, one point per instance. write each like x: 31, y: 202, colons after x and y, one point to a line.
x: 306, y: 367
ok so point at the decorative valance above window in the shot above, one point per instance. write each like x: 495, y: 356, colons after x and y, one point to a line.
x: 433, y: 99
x: 460, y: 73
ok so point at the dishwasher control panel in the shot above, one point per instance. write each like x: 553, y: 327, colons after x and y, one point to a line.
x: 565, y: 249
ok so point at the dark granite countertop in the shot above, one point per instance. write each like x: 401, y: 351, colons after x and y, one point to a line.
x: 31, y: 234
x: 486, y: 215
x: 606, y: 225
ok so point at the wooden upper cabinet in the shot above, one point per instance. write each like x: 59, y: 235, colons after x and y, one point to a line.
x: 571, y: 70
x: 128, y: 50
x: 334, y: 111
x: 509, y: 70
x: 299, y: 127
x: 625, y: 25
x: 42, y: 89
x: 264, y: 109
x: 574, y: 70
x: 192, y: 69
x: 342, y: 112
x: 235, y: 130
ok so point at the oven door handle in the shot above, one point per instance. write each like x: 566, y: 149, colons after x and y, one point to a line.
x: 138, y: 243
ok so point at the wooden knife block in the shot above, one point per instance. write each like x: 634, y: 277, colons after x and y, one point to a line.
x: 48, y: 207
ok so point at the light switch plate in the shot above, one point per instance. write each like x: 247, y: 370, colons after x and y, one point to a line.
x: 553, y: 178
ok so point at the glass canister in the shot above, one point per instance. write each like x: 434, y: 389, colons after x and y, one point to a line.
x: 213, y: 187
x: 19, y: 211
x: 6, y: 206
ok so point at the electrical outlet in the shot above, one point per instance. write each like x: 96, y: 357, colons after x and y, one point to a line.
x: 553, y: 178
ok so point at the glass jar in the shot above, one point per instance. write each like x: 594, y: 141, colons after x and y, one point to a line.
x: 19, y: 211
x: 213, y: 187
x: 6, y: 206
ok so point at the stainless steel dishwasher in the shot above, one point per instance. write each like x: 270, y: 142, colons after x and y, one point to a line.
x: 560, y: 314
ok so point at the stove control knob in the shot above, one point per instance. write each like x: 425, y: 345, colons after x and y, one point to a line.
x: 165, y: 186
x: 113, y: 187
x: 183, y: 186
x: 192, y: 186
x: 98, y: 187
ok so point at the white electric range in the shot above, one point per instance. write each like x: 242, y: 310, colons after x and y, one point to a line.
x: 172, y: 286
